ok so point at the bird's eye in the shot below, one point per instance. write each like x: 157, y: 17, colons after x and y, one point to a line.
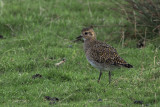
x: 86, y: 33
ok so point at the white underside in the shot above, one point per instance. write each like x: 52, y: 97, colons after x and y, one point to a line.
x: 101, y: 66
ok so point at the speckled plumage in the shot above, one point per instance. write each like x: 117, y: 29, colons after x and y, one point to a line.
x: 101, y: 55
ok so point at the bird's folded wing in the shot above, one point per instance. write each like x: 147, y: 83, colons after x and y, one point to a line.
x: 103, y: 53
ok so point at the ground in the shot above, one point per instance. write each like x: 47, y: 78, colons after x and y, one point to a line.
x: 37, y: 34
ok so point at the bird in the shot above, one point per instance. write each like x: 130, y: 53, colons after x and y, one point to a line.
x: 99, y: 54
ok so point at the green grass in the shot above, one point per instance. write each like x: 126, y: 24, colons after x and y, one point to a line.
x: 39, y: 33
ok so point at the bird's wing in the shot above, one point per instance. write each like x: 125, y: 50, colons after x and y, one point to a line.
x: 103, y: 53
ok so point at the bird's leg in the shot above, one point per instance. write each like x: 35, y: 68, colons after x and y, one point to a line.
x: 109, y: 77
x: 99, y: 76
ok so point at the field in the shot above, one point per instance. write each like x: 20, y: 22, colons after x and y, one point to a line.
x: 37, y: 34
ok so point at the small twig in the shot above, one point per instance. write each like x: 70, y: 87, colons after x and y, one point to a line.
x: 156, y: 51
x: 155, y: 96
x: 41, y: 10
x: 123, y: 39
x: 156, y: 28
x: 126, y: 52
x: 10, y: 27
x: 145, y: 37
x: 1, y: 6
x: 66, y: 98
x: 135, y: 25
x: 142, y: 68
x: 89, y: 9
x: 154, y: 61
x: 61, y: 62
x: 123, y: 9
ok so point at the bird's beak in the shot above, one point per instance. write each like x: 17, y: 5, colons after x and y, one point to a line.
x: 79, y: 38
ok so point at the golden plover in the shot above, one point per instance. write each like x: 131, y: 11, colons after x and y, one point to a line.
x: 101, y: 55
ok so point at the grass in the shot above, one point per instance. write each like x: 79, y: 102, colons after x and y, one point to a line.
x: 37, y: 34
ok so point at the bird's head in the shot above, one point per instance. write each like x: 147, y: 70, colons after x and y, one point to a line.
x: 87, y: 34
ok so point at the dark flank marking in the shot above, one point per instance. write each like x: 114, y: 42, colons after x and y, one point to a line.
x: 47, y: 98
x: 52, y: 100
x: 37, y: 76
x: 138, y: 102
x: 1, y: 37
x: 100, y: 100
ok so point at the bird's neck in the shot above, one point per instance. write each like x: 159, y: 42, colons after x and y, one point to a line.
x: 88, y: 44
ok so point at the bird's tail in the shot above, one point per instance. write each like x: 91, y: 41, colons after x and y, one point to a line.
x: 128, y: 65
x: 121, y: 62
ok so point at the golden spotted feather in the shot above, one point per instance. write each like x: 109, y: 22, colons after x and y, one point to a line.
x: 103, y: 53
